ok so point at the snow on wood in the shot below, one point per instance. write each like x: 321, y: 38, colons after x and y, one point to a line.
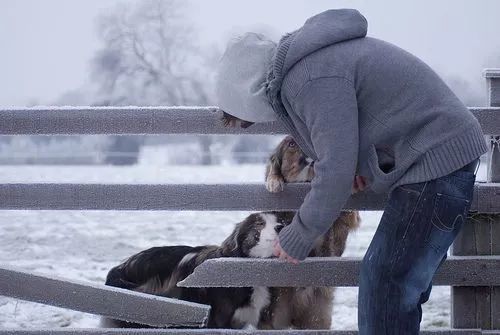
x: 151, y: 120
x: 181, y: 197
x: 122, y: 120
x: 492, y: 73
x: 159, y: 197
x: 326, y: 271
x: 221, y: 332
x: 101, y: 300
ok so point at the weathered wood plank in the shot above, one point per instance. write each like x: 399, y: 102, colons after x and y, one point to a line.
x: 150, y: 120
x: 326, y: 271
x: 493, y: 80
x: 463, y: 307
x: 495, y: 291
x: 478, y: 307
x: 464, y: 243
x: 495, y: 307
x: 231, y: 197
x: 463, y: 299
x: 101, y: 300
x: 474, y: 307
x: 483, y: 308
x: 493, y: 86
x: 217, y: 332
x: 486, y: 198
x: 163, y: 197
x: 123, y: 120
x: 488, y: 118
x: 471, y: 307
x: 493, y: 171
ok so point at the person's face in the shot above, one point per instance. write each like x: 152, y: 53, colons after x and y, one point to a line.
x: 233, y: 122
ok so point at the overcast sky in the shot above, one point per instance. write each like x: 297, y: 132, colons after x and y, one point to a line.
x: 46, y: 45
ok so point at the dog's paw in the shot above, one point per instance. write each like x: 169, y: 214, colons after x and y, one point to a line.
x: 275, y: 184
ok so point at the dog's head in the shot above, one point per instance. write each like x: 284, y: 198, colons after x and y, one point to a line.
x: 233, y: 122
x: 256, y: 235
x: 290, y: 162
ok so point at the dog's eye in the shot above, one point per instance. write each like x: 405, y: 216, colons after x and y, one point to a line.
x: 292, y: 144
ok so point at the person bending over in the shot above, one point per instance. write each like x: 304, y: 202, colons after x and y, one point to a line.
x: 361, y: 106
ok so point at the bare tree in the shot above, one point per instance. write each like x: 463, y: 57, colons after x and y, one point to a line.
x: 150, y: 57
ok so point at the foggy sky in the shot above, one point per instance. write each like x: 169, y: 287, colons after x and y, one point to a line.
x: 46, y: 45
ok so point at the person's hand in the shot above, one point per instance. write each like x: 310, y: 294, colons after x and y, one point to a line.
x: 281, y: 254
x: 359, y: 184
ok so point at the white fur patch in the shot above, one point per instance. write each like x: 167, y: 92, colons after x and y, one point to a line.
x: 250, y: 315
x: 268, y: 236
x: 187, y: 258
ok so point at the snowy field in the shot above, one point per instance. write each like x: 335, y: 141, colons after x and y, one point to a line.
x: 83, y: 245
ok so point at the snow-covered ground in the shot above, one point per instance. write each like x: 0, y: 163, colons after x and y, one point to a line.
x: 83, y: 245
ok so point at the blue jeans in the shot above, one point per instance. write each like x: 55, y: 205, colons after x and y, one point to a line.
x: 418, y: 226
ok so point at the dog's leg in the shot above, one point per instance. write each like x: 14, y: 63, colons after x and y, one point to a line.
x: 279, y: 313
x: 274, y: 179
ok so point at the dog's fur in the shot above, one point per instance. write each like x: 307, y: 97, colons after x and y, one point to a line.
x: 305, y: 307
x: 158, y: 270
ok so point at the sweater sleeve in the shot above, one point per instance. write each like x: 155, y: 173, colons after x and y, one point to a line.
x: 329, y: 109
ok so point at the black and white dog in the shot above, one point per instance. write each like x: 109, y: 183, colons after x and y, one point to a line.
x: 158, y: 270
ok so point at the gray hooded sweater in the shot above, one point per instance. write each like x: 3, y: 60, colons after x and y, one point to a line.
x: 359, y: 105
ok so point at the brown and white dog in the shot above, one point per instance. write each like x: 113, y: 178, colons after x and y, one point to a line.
x: 305, y: 307
x: 158, y: 270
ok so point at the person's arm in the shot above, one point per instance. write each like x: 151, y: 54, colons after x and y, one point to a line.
x: 328, y: 107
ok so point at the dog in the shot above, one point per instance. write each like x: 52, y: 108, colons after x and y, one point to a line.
x: 304, y: 307
x: 158, y: 270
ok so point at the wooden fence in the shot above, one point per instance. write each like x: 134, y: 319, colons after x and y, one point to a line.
x: 473, y: 270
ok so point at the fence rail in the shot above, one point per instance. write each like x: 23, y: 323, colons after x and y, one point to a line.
x: 222, y: 332
x: 101, y: 300
x: 473, y: 271
x: 230, y: 197
x: 329, y: 271
x: 152, y: 121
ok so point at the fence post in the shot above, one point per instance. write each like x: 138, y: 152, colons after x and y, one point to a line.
x: 493, y: 86
x: 479, y: 307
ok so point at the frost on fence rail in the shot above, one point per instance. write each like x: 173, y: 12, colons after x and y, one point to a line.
x: 329, y: 271
x: 101, y: 300
x: 201, y: 197
x: 122, y: 120
x: 220, y: 332
x: 151, y: 120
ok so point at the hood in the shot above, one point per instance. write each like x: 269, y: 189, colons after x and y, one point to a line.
x: 329, y: 27
x: 252, y: 68
x: 241, y: 81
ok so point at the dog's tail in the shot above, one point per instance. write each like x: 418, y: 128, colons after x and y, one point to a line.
x: 336, y: 236
x: 154, y: 264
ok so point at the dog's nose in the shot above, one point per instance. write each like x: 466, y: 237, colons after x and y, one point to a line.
x: 278, y: 228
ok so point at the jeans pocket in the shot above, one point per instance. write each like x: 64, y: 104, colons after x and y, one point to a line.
x: 448, y: 216
x: 448, y: 212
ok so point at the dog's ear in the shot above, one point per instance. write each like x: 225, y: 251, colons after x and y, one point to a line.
x: 230, y: 121
x: 230, y: 246
x: 246, y: 124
